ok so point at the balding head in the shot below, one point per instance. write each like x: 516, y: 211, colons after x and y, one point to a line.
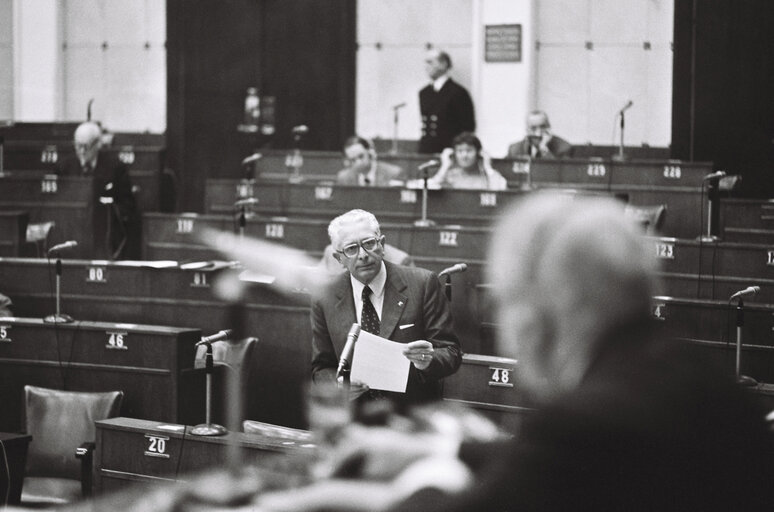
x: 437, y: 63
x: 87, y: 141
x: 566, y: 271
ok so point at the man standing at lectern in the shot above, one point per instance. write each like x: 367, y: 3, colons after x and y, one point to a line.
x: 446, y: 107
x: 403, y: 304
x: 111, y: 181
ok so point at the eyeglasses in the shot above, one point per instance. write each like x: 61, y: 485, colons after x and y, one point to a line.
x: 85, y: 145
x: 369, y: 245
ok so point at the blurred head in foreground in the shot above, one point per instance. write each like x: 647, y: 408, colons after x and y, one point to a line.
x: 567, y: 272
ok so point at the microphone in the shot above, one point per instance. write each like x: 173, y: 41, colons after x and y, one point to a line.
x: 252, y: 158
x: 626, y: 107
x: 247, y: 201
x: 454, y: 269
x: 399, y: 105
x: 64, y: 245
x: 428, y: 164
x: 88, y: 109
x: 222, y: 335
x: 714, y: 175
x: 750, y: 290
x: 349, y: 348
x: 300, y: 129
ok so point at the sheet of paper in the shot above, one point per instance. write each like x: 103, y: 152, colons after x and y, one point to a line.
x: 380, y: 363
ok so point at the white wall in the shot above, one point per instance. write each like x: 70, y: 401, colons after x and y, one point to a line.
x: 66, y: 52
x: 581, y: 89
x: 6, y: 60
x: 395, y: 72
x: 37, y: 70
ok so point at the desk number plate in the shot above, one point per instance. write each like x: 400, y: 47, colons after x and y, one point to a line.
x: 673, y: 172
x: 116, y: 341
x: 658, y: 311
x: 275, y: 231
x: 770, y: 258
x: 5, y: 333
x: 200, y: 280
x: 665, y: 251
x: 49, y: 185
x: 49, y: 155
x: 126, y: 155
x: 500, y: 377
x: 323, y: 193
x: 156, y: 446
x: 408, y: 196
x: 596, y: 170
x: 447, y: 238
x: 96, y: 275
x: 185, y: 226
x: 488, y: 199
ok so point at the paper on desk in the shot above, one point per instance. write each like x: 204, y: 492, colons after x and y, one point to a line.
x: 380, y: 363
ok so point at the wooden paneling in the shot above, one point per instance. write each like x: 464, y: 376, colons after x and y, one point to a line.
x: 300, y: 51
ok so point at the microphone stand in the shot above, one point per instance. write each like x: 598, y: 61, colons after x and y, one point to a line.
x: 424, y: 221
x: 742, y: 380
x: 208, y: 428
x: 58, y: 317
x: 395, y: 120
x: 447, y: 287
x: 296, y: 160
x: 713, y: 212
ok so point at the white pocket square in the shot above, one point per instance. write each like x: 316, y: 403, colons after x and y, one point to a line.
x: 406, y: 326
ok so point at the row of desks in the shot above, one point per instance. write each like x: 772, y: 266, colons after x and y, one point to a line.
x: 170, y: 295
x: 684, y: 217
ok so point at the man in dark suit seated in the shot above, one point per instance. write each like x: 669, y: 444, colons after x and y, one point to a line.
x: 112, y: 187
x: 445, y: 105
x: 364, y: 169
x: 624, y: 421
x: 540, y: 142
x: 403, y: 304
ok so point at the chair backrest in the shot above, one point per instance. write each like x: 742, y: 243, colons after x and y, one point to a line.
x: 59, y: 422
x: 651, y: 217
x: 233, y: 354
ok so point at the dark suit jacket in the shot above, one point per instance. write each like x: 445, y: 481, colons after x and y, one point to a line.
x: 385, y: 173
x: 445, y: 114
x: 650, y: 427
x: 557, y: 146
x: 412, y: 296
x: 125, y: 220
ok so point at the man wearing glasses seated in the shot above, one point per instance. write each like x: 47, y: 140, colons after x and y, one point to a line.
x: 403, y: 304
x: 540, y: 142
x: 112, y: 188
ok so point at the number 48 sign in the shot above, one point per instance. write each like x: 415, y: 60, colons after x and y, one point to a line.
x: 500, y: 377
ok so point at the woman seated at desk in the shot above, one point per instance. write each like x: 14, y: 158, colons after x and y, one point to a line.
x: 467, y: 166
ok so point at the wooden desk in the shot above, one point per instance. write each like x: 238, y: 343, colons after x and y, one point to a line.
x: 68, y: 201
x: 12, y: 475
x: 36, y: 158
x: 13, y: 232
x: 126, y: 292
x: 150, y: 453
x: 643, y: 182
x: 747, y: 220
x: 152, y: 365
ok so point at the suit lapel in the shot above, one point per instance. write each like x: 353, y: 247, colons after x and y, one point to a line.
x: 395, y: 300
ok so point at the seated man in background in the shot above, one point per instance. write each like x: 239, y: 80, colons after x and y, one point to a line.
x: 403, y: 304
x: 363, y: 168
x: 540, y: 142
x: 624, y: 421
x: 467, y: 166
x: 111, y: 181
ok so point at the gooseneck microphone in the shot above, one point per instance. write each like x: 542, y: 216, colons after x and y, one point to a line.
x: 454, y: 269
x: 349, y: 347
x: 750, y: 290
x: 428, y: 165
x: 252, y: 158
x: 222, y: 335
x: 626, y: 107
x: 65, y: 245
x: 714, y: 175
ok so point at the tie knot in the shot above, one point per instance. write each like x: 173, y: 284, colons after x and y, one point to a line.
x: 366, y: 292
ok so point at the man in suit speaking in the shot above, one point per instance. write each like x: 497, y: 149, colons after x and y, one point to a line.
x: 403, y: 304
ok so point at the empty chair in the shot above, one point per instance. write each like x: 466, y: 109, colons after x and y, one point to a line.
x: 62, y: 425
x: 651, y: 217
